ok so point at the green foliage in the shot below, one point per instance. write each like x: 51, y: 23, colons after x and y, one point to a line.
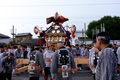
x: 11, y: 42
x: 112, y: 26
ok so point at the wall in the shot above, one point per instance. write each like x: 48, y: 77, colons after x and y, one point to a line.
x: 23, y: 38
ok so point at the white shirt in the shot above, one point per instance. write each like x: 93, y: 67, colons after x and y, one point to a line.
x: 82, y: 51
x: 118, y: 53
x: 91, y: 55
x: 1, y: 56
x: 47, y: 55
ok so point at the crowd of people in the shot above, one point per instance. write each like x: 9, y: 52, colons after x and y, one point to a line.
x: 104, y: 58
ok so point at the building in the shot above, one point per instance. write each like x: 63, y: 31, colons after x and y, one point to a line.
x: 2, y: 36
x: 81, y: 38
x: 21, y: 37
x: 31, y: 42
x: 4, y: 39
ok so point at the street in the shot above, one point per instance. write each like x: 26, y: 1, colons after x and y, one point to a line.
x: 85, y: 74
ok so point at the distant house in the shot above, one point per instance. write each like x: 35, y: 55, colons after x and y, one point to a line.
x: 21, y: 37
x: 5, y: 39
x: 31, y: 42
x: 2, y: 36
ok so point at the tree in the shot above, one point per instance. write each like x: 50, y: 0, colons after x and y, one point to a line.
x: 11, y: 42
x: 112, y: 26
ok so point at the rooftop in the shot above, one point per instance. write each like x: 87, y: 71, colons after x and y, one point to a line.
x: 23, y: 34
x: 31, y: 42
x: 2, y: 36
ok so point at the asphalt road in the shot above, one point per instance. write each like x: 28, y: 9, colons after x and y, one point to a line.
x: 85, y: 74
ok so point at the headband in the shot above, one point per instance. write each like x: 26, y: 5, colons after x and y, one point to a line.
x: 36, y: 47
x: 103, y: 37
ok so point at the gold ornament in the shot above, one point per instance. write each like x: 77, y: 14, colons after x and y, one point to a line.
x: 53, y: 31
x: 58, y: 31
x: 56, y: 27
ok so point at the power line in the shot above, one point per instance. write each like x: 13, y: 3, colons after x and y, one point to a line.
x: 45, y: 18
x: 22, y: 18
x: 62, y: 5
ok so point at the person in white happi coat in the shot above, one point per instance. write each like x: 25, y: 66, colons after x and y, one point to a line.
x: 118, y: 55
x: 19, y: 52
x: 47, y: 57
x: 93, y: 58
x: 78, y: 54
x: 107, y: 64
x: 86, y: 52
x: 82, y: 50
x: 1, y: 75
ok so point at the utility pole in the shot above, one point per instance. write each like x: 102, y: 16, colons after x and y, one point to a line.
x: 101, y: 28
x: 96, y: 32
x: 13, y: 33
x: 82, y: 36
x: 92, y: 34
x: 85, y: 32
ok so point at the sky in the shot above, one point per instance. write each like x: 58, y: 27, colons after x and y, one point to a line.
x: 26, y: 14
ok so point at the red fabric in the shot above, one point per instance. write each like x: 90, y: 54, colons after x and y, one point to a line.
x: 67, y: 70
x: 40, y: 41
x: 62, y: 70
x: 51, y: 60
x: 34, y: 64
x: 73, y: 35
x: 36, y: 30
x: 47, y: 44
x: 73, y: 29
